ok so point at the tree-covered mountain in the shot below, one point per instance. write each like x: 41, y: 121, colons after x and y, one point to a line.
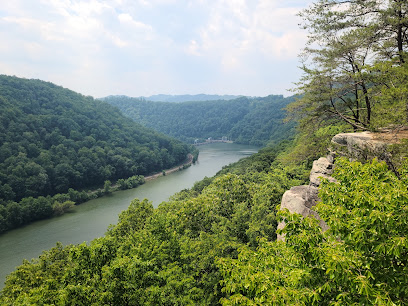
x: 255, y: 121
x: 189, y: 98
x: 53, y: 139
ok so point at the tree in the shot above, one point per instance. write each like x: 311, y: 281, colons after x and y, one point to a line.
x: 391, y: 93
x: 61, y: 208
x: 346, y: 38
x: 107, y: 187
x: 393, y: 25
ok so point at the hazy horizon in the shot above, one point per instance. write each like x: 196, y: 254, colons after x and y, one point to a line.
x: 144, y: 48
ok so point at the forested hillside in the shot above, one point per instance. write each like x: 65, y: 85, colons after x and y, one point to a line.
x: 53, y: 139
x: 169, y: 255
x: 216, y: 243
x: 256, y: 121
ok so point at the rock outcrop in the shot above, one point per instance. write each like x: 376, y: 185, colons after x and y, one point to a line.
x: 301, y: 199
x: 360, y: 146
x: 322, y: 168
x: 355, y: 146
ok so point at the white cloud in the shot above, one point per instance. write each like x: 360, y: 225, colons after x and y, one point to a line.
x: 134, y: 30
x: 265, y: 27
x: 152, y: 3
x: 126, y: 19
x: 193, y: 48
x: 99, y: 46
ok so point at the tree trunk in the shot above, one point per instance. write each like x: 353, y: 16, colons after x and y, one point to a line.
x: 400, y: 38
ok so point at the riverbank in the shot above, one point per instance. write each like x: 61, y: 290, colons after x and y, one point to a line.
x: 187, y: 163
x: 116, y: 187
x: 56, y: 205
x: 212, y: 141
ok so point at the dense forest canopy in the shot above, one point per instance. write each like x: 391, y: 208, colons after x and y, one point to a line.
x: 215, y: 243
x: 167, y: 255
x: 256, y: 121
x: 53, y: 139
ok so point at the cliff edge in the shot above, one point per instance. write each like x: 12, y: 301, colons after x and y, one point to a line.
x: 362, y: 146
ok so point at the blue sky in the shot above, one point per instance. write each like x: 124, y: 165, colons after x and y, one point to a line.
x: 146, y: 47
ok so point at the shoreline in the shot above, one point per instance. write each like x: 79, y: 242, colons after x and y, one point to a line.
x: 211, y: 142
x: 115, y: 187
x: 187, y: 163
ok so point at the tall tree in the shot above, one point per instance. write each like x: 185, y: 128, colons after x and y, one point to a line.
x: 346, y: 39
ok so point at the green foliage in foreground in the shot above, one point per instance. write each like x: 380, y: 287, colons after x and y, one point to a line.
x: 159, y: 256
x: 361, y: 260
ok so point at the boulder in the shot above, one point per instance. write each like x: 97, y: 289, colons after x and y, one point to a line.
x: 300, y: 200
x: 322, y: 168
x: 297, y: 200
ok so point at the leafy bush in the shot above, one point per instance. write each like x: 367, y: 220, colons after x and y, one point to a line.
x: 362, y: 259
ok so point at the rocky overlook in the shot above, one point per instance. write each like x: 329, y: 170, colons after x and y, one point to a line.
x: 355, y: 146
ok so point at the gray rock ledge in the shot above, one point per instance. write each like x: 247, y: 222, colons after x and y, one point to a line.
x: 301, y: 199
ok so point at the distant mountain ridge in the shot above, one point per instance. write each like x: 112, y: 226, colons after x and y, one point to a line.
x: 182, y: 98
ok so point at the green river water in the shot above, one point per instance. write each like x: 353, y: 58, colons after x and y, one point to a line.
x: 91, y: 219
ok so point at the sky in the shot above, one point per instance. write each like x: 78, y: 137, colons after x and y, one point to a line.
x: 146, y: 47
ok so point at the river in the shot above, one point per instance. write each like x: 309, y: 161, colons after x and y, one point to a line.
x: 91, y: 219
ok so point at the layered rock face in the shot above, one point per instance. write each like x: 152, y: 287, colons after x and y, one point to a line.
x: 360, y: 146
x: 301, y: 199
x: 356, y: 146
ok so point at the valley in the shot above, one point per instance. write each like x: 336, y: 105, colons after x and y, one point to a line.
x: 302, y: 200
x: 91, y: 219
